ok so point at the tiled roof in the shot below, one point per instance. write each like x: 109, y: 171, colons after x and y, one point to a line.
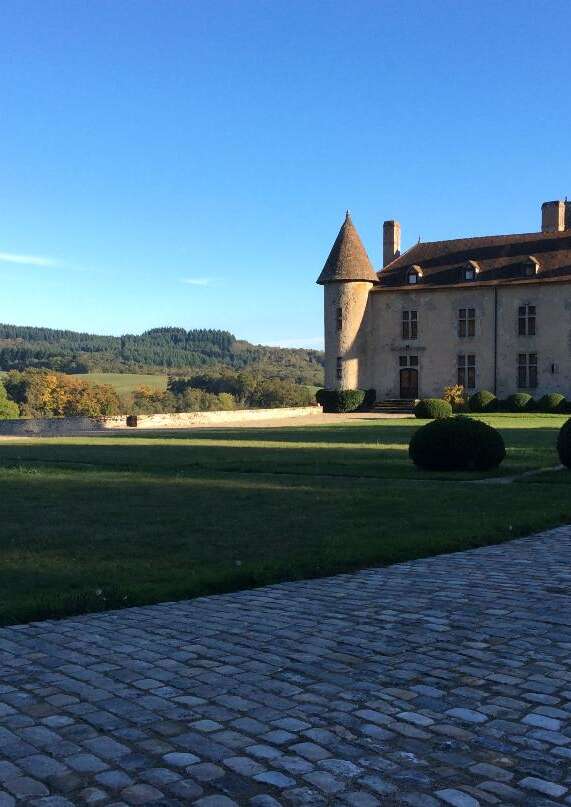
x: 348, y: 259
x: 498, y: 258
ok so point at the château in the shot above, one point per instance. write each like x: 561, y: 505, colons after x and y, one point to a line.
x: 491, y: 312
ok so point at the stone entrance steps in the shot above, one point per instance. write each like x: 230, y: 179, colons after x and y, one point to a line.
x: 398, y: 406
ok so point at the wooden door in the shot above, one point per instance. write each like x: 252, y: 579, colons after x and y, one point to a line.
x: 409, y: 384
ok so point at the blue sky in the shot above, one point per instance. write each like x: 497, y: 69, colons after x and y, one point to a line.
x: 189, y: 163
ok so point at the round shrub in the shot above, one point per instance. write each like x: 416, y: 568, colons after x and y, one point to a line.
x: 483, y: 401
x: 340, y: 400
x: 457, y: 444
x: 321, y: 396
x: 519, y: 402
x: 433, y: 408
x: 370, y: 397
x: 554, y: 402
x: 564, y: 444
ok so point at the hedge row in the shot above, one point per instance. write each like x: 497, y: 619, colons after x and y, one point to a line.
x: 486, y: 401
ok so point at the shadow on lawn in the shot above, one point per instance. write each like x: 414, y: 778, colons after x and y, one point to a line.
x: 337, y: 451
x: 328, y: 433
x: 172, y: 458
x: 157, y: 520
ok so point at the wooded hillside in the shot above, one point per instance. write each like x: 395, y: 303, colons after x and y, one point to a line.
x: 174, y: 351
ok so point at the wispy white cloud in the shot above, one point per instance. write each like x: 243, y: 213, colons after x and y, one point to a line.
x: 27, y: 260
x: 43, y: 262
x: 198, y: 281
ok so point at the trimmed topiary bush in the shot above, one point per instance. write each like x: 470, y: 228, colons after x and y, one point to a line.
x: 347, y: 400
x: 553, y: 402
x: 370, y: 398
x: 321, y: 397
x: 457, y: 444
x: 433, y: 408
x: 564, y: 444
x: 340, y: 400
x: 483, y: 401
x: 519, y: 402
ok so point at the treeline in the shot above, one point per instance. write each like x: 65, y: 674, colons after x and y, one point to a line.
x: 169, y: 350
x: 221, y: 391
x: 46, y: 393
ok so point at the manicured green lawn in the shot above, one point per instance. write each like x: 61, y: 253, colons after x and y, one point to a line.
x: 108, y: 521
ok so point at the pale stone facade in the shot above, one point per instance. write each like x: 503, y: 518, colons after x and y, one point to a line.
x: 61, y: 427
x: 493, y: 312
x: 350, y: 302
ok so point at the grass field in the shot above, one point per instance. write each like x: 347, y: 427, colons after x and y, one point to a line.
x: 123, y: 382
x: 106, y: 521
x: 128, y: 382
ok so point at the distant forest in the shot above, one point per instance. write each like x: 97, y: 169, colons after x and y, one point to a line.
x: 173, y: 351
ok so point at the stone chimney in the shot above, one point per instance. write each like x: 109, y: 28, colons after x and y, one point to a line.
x: 391, y: 241
x: 555, y: 217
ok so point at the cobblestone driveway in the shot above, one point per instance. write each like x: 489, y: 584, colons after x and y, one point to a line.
x: 440, y: 681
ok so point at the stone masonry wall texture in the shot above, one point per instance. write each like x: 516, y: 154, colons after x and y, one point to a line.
x: 57, y: 427
x: 438, y: 344
x: 444, y: 681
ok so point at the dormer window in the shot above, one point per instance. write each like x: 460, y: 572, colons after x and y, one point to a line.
x: 414, y: 275
x: 531, y: 267
x: 470, y: 271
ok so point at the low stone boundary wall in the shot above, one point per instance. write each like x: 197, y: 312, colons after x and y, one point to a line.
x: 57, y: 427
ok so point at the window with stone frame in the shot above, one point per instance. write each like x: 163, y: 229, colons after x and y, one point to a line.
x: 339, y: 371
x: 339, y: 319
x: 526, y: 320
x: 527, y: 370
x: 467, y: 370
x: 409, y: 324
x: 466, y: 322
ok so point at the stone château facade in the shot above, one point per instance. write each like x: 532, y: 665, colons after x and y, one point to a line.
x: 489, y: 313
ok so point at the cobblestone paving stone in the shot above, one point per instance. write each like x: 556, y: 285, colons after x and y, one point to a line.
x: 444, y: 681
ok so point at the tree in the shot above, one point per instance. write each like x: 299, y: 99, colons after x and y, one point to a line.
x: 45, y: 393
x: 8, y: 409
x: 164, y: 349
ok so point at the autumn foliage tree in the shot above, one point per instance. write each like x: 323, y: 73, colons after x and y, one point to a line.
x: 45, y: 393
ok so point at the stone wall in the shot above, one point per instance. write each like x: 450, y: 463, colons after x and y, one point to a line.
x: 58, y: 427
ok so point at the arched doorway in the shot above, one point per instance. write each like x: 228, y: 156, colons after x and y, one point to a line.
x: 409, y: 383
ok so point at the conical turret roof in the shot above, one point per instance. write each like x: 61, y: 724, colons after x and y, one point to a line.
x: 347, y: 259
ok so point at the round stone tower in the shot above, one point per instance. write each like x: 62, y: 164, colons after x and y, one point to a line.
x: 347, y: 278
